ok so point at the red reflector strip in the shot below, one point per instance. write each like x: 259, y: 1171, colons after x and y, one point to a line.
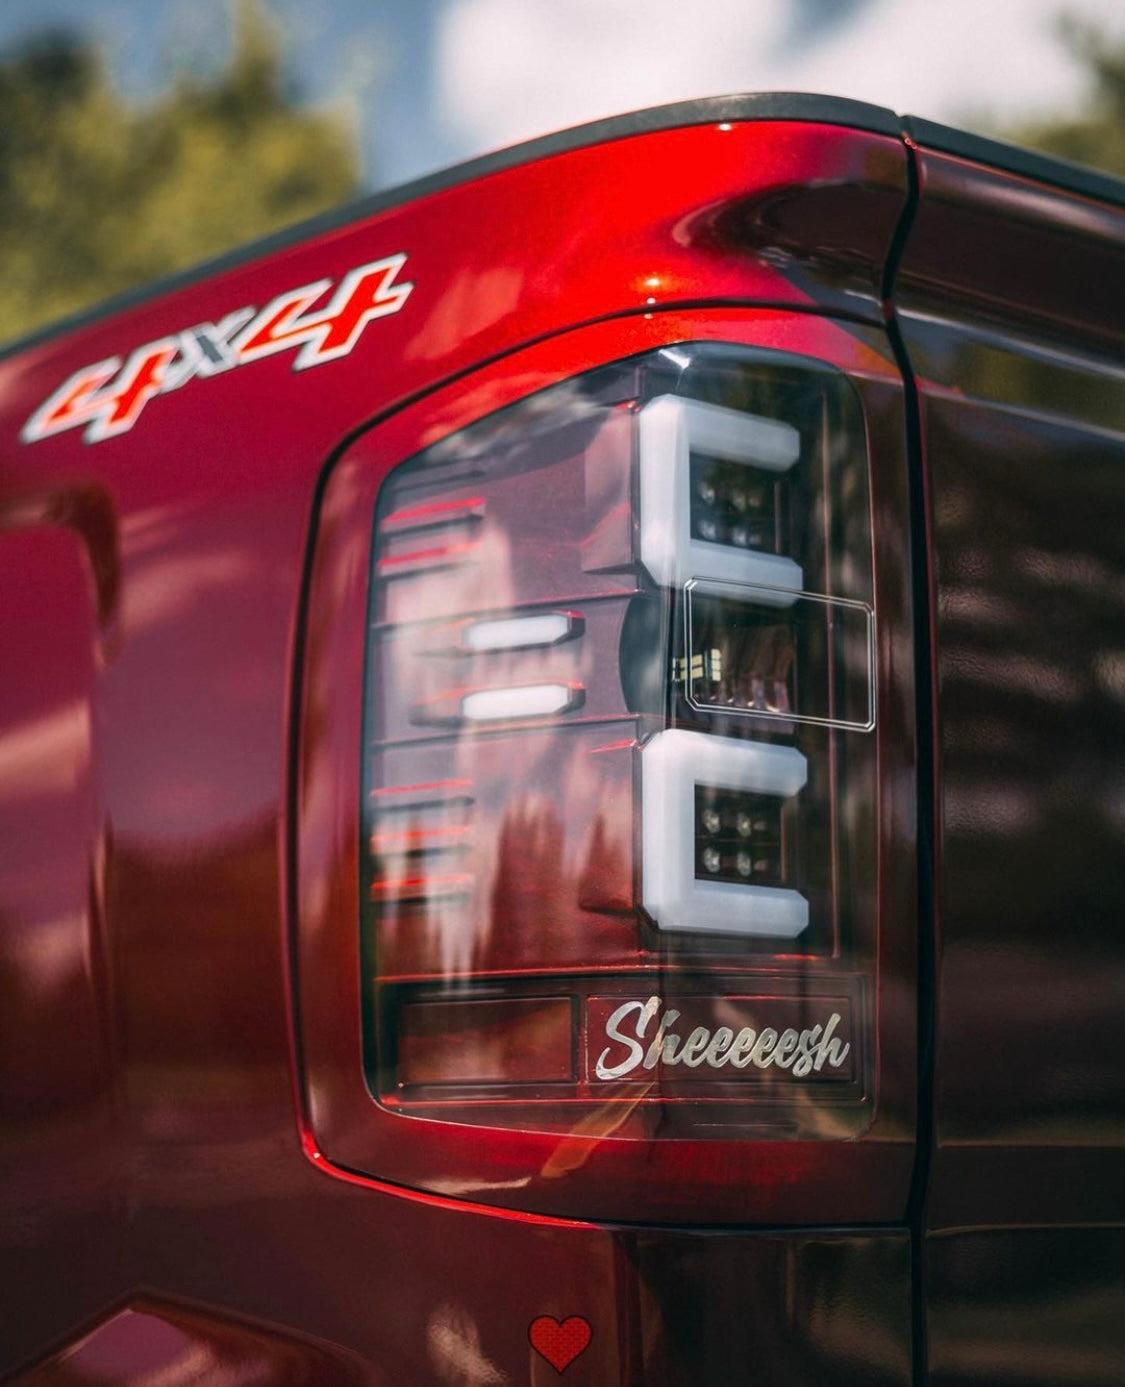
x: 424, y: 888
x: 428, y: 517
x: 406, y: 797
x: 419, y: 840
x: 420, y: 560
x: 508, y: 1040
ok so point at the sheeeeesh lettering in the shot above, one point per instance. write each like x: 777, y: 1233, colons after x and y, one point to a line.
x: 644, y: 1036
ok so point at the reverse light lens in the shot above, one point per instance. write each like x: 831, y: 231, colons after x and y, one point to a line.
x: 620, y: 670
x: 814, y: 664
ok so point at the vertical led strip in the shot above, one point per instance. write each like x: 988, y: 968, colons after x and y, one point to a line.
x: 673, y: 432
x: 708, y: 498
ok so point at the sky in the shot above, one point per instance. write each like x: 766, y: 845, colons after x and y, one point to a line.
x: 428, y: 83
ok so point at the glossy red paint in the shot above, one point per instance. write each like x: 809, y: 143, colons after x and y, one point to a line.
x: 174, y: 1157
x: 180, y: 1071
x: 150, y: 1339
x: 731, y: 215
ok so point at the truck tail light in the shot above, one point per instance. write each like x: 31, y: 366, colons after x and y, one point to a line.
x: 619, y: 787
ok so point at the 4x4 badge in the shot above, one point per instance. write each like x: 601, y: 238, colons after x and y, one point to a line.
x: 107, y: 397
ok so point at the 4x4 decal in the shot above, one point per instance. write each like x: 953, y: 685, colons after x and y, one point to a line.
x: 107, y: 398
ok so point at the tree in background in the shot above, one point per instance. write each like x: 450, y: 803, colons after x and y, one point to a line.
x: 98, y: 195
x: 1095, y: 136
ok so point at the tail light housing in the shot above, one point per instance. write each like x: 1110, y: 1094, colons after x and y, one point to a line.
x: 618, y: 857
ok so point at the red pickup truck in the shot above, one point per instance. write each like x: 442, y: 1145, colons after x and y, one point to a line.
x: 562, y: 780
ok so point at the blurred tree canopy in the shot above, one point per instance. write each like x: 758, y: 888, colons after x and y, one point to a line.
x: 1096, y: 135
x: 98, y: 195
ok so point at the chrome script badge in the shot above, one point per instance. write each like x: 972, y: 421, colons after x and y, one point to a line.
x: 641, y: 1036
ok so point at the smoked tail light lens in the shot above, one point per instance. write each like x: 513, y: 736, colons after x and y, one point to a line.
x: 619, y: 787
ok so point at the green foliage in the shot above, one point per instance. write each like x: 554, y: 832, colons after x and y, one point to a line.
x: 1095, y: 136
x: 98, y: 195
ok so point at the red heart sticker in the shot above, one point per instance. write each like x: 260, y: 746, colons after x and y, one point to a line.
x: 559, y: 1343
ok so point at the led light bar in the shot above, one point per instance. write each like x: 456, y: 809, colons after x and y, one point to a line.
x: 673, y: 764
x: 708, y: 489
x: 520, y: 632
x: 527, y: 701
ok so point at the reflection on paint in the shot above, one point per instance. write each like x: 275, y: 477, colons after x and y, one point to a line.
x: 454, y: 1349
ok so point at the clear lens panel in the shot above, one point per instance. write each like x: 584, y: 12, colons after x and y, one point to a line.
x: 618, y: 778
